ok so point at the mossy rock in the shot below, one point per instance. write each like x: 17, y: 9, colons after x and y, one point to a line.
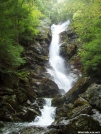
x: 85, y: 109
x: 11, y: 100
x: 79, y: 87
x: 93, y: 95
x: 80, y: 101
x: 80, y: 123
x: 33, y: 130
x: 58, y: 101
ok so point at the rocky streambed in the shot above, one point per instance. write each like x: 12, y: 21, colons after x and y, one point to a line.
x: 22, y: 98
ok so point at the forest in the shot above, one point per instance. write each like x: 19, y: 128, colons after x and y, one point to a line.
x: 19, y: 25
x: 24, y: 40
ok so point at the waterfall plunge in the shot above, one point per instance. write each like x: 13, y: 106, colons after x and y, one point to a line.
x: 58, y: 69
x: 47, y: 114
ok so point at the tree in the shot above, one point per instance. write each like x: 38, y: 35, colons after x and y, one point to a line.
x: 16, y: 19
x: 85, y: 18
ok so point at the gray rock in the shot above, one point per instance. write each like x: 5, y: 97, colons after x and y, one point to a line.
x: 79, y: 87
x: 93, y: 95
x: 80, y: 123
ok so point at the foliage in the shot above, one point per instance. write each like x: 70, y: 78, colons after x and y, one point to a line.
x: 91, y: 50
x: 85, y: 18
x: 18, y: 21
x: 88, y: 26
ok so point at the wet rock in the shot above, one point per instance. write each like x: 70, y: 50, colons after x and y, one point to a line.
x: 28, y: 114
x: 12, y: 100
x: 44, y: 87
x: 93, y: 95
x: 13, y: 105
x: 17, y: 99
x: 80, y: 123
x: 1, y: 124
x: 40, y: 102
x: 80, y: 101
x: 71, y: 35
x: 39, y: 49
x: 47, y: 88
x: 72, y: 50
x: 58, y: 100
x: 32, y: 130
x: 52, y: 131
x: 63, y: 50
x: 85, y: 109
x: 60, y: 112
x: 67, y: 104
x: 79, y: 87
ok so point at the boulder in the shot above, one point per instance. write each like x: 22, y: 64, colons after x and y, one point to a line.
x: 45, y: 87
x: 28, y: 114
x: 79, y: 87
x: 58, y: 101
x: 85, y: 109
x: 71, y: 105
x: 80, y: 101
x: 93, y: 95
x: 81, y: 123
x: 32, y: 130
x: 49, y: 88
x: 52, y: 131
x: 10, y: 101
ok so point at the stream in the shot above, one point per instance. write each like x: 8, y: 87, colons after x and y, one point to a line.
x: 39, y: 124
x: 61, y: 77
x: 58, y: 73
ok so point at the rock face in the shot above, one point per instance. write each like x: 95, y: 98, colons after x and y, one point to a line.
x: 15, y: 107
x: 76, y: 115
x: 80, y: 123
x: 79, y: 87
x: 22, y: 101
x: 93, y: 95
x: 18, y: 97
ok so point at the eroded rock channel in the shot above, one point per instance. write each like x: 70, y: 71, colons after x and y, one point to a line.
x: 75, y: 109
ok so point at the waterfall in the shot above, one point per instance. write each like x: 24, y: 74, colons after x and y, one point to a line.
x: 59, y: 74
x: 46, y: 119
x: 47, y: 114
x: 57, y: 63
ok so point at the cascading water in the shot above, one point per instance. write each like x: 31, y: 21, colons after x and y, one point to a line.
x: 47, y: 114
x: 46, y: 119
x: 58, y: 71
x: 59, y: 74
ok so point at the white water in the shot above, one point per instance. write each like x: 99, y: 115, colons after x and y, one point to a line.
x: 47, y: 114
x: 60, y: 76
x: 97, y: 115
x: 46, y: 119
x: 57, y: 63
x: 58, y: 72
